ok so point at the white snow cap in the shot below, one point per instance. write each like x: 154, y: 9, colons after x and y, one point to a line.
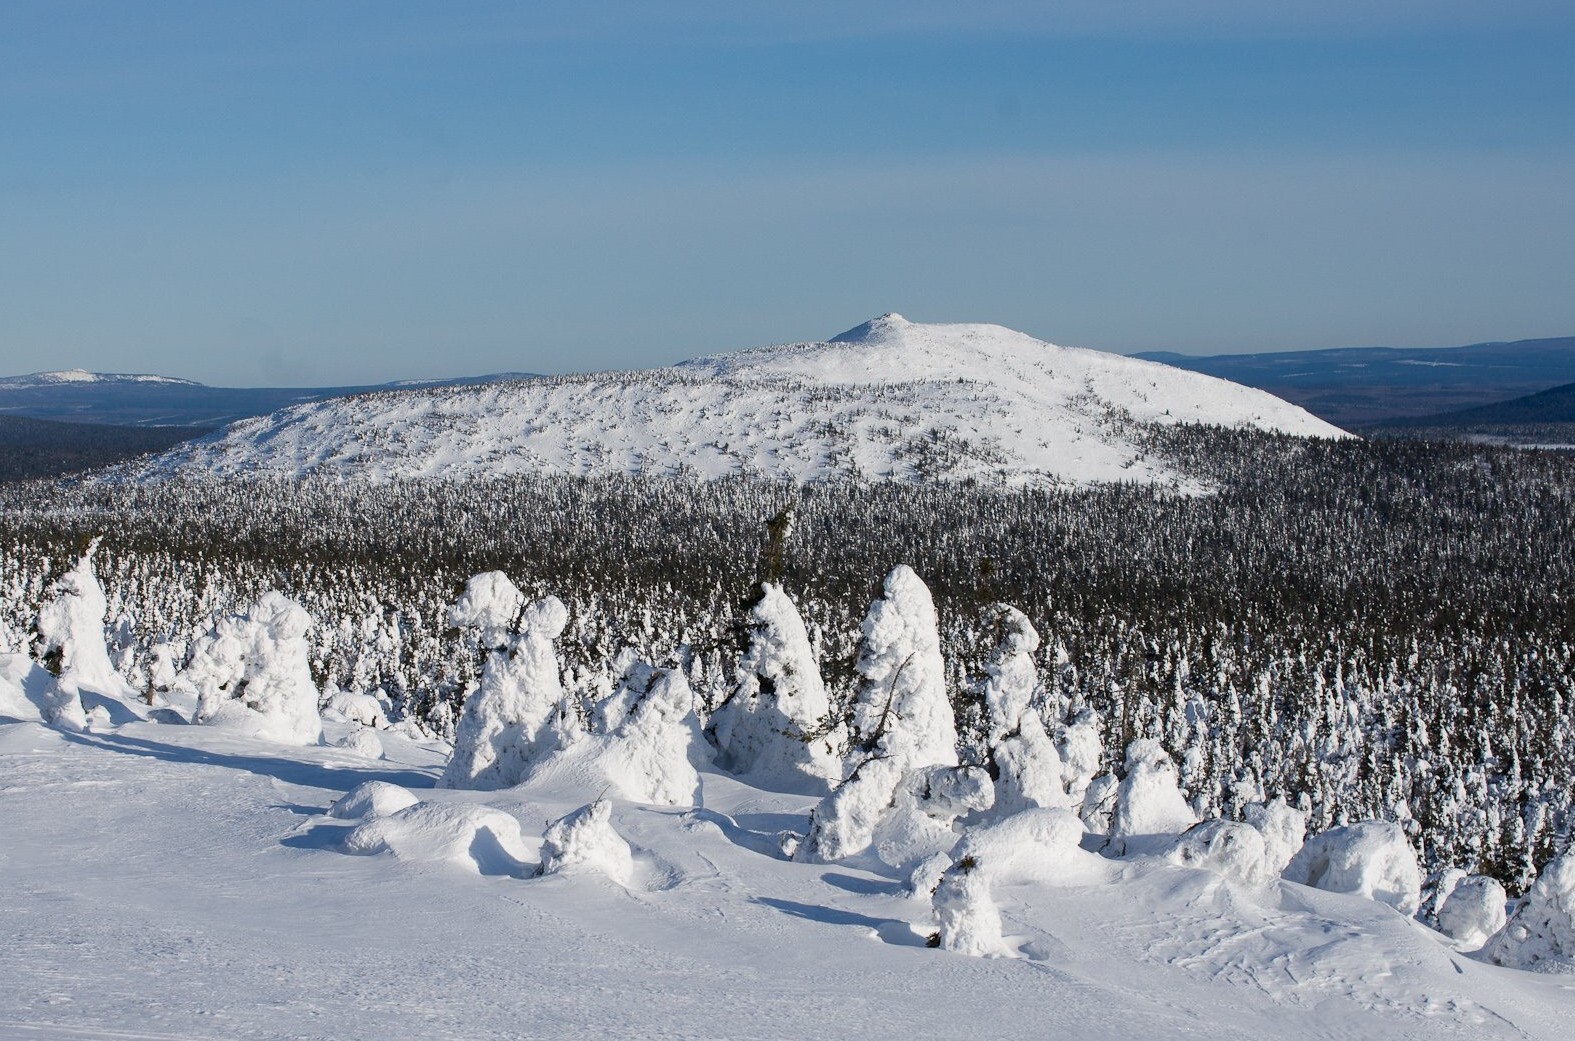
x: 253, y: 673
x: 71, y: 635
x: 372, y: 799
x: 480, y: 838
x: 1149, y: 803
x: 764, y: 731
x: 1372, y: 859
x: 1033, y: 846
x: 585, y: 842
x: 516, y: 715
x: 1541, y: 933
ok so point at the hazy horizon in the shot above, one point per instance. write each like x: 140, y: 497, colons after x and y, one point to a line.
x: 300, y: 194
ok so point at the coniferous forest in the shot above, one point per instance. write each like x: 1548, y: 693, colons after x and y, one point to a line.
x: 1370, y: 628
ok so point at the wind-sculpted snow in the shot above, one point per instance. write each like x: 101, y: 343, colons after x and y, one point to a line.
x: 891, y: 399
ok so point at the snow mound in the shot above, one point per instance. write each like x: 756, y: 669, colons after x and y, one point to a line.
x: 1149, y: 805
x: 343, y: 706
x: 372, y: 799
x: 1234, y: 850
x: 890, y: 400
x: 363, y: 742
x: 1372, y: 859
x: 584, y: 842
x: 1473, y: 911
x: 252, y: 674
x: 1032, y: 846
x: 1284, y: 829
x: 480, y: 838
x: 1541, y: 933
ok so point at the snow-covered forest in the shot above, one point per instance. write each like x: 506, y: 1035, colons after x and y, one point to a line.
x: 1369, y: 630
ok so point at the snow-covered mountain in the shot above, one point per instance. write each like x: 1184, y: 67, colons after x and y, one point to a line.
x: 48, y: 379
x: 890, y: 399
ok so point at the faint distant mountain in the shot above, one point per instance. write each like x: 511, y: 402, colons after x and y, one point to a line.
x: 1360, y: 386
x: 47, y: 448
x: 123, y: 399
x: 1555, y: 405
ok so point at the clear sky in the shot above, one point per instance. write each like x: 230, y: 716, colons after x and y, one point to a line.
x: 317, y: 192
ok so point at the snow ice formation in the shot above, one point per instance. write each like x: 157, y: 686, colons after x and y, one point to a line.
x: 774, y: 730
x: 1371, y: 858
x: 252, y: 674
x: 584, y: 842
x: 1541, y: 933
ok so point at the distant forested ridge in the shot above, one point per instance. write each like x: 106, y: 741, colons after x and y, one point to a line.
x: 47, y: 448
x: 1374, y: 629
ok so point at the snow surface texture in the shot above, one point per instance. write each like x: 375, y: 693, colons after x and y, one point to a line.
x: 1541, y: 935
x: 774, y: 731
x: 185, y: 882
x: 253, y: 674
x: 1372, y: 859
x: 891, y: 399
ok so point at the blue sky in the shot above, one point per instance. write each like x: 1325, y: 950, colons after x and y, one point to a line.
x: 309, y: 193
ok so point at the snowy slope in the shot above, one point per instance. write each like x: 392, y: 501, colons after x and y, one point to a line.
x: 889, y: 399
x: 169, y: 881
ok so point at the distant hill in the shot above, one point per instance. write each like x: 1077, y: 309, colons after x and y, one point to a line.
x: 1555, y: 405
x: 47, y: 448
x: 888, y: 400
x: 122, y: 399
x: 1361, y: 386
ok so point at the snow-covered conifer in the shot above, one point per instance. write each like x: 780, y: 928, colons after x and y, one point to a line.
x: 586, y: 842
x: 1541, y: 932
x: 1149, y: 802
x: 902, y: 718
x: 1473, y: 911
x: 517, y: 712
x: 773, y: 729
x: 253, y: 673
x: 71, y: 645
x: 1284, y: 829
x: 1370, y: 858
x: 1022, y: 756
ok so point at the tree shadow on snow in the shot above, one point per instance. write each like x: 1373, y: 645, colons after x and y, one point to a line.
x: 290, y: 771
x: 765, y: 843
x: 863, y: 886
x: 320, y: 836
x: 891, y: 930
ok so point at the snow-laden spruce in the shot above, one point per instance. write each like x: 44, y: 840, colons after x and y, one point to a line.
x: 902, y: 718
x: 1149, y: 805
x: 1033, y: 846
x: 70, y: 645
x: 1371, y: 858
x: 774, y: 730
x: 1284, y: 830
x: 252, y: 674
x: 518, y: 712
x: 645, y: 745
x: 1022, y: 755
x: 1541, y: 933
x: 585, y: 842
x: 1229, y: 848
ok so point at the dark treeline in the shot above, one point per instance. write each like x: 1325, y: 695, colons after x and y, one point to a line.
x: 1378, y: 628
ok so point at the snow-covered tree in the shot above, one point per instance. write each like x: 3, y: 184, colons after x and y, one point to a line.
x: 252, y: 673
x: 70, y: 644
x: 1541, y: 933
x: 1149, y: 803
x: 518, y: 713
x: 585, y: 842
x: 1022, y: 757
x: 902, y: 718
x: 774, y: 729
x: 1369, y: 858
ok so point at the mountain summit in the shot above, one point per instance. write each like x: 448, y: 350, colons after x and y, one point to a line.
x: 887, y: 400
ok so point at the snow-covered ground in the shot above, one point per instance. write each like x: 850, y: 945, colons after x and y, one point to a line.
x: 161, y: 880
x: 890, y: 399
